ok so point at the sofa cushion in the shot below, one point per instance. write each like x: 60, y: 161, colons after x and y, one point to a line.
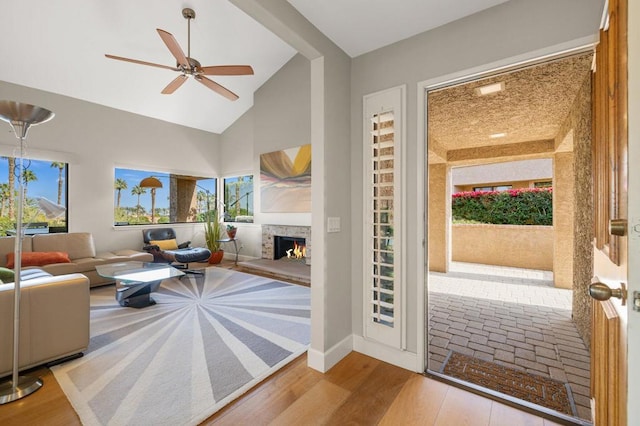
x: 77, y: 244
x: 39, y: 258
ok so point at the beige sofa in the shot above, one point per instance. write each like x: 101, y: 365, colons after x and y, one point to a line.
x: 54, y: 320
x: 81, y: 250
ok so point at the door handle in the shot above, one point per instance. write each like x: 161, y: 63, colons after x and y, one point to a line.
x: 601, y: 291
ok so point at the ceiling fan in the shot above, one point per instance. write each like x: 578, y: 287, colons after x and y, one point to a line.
x: 186, y: 65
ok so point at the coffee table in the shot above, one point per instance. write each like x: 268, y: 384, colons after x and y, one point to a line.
x: 135, y: 281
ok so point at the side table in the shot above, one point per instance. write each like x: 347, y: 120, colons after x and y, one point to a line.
x: 235, y: 245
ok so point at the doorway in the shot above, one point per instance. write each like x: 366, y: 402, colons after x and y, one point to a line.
x: 499, y: 322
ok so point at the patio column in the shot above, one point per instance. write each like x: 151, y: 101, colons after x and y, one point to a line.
x: 439, y: 216
x: 563, y: 223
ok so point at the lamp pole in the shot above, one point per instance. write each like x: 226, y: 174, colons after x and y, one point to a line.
x: 20, y: 117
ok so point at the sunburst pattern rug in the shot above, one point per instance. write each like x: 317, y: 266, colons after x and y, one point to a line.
x: 207, y: 340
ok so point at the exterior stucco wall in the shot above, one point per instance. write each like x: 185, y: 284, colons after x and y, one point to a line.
x: 529, y: 247
x: 438, y: 217
x: 579, y: 123
x: 563, y: 206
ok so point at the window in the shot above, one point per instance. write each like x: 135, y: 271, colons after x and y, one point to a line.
x: 545, y: 184
x: 45, y: 183
x: 492, y: 188
x: 238, y: 199
x: 171, y: 198
x: 383, y: 219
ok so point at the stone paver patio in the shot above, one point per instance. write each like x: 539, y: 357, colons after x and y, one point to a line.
x: 509, y: 316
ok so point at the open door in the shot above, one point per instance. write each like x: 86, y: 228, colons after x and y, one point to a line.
x: 611, y: 257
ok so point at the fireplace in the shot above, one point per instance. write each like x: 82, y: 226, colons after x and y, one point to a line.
x: 269, y: 232
x: 288, y: 247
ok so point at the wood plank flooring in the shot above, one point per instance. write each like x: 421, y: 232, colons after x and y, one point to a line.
x: 359, y: 390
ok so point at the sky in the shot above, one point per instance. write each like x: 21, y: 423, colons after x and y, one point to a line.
x: 47, y: 183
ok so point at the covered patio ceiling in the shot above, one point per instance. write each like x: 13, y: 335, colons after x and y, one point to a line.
x: 531, y: 108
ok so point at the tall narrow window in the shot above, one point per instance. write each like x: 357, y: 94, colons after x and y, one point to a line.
x: 383, y: 178
x: 238, y: 199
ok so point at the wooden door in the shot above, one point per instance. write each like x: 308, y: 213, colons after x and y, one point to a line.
x: 610, y: 143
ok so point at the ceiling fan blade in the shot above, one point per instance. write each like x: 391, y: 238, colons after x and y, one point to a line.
x: 135, y: 61
x: 174, y: 48
x: 227, y: 70
x: 216, y: 87
x: 174, y: 85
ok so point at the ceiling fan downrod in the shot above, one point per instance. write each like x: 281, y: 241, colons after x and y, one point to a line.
x: 188, y: 14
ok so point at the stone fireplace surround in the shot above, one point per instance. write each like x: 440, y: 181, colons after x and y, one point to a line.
x: 269, y: 231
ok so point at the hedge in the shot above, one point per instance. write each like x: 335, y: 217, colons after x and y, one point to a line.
x: 526, y: 206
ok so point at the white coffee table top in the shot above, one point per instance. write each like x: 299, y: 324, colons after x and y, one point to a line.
x: 139, y: 272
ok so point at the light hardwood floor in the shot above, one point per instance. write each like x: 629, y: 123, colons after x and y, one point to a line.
x: 358, y: 391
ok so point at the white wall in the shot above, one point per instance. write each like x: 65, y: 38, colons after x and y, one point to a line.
x: 331, y: 192
x: 94, y: 140
x: 506, y: 31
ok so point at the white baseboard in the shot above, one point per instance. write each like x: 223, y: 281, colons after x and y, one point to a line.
x: 402, y: 359
x: 324, y: 361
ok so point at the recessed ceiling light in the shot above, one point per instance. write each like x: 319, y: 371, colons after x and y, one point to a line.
x: 490, y: 88
x: 497, y: 135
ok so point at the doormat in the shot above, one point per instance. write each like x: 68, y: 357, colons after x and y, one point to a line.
x: 533, y: 388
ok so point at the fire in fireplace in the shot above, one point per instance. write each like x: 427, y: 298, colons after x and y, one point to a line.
x: 289, y: 247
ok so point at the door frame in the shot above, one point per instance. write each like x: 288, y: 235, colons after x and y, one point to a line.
x: 573, y: 47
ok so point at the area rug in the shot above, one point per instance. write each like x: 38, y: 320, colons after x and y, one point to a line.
x: 533, y: 388
x: 208, y: 340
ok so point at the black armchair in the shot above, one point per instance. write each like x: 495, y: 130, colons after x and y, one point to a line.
x: 162, y: 244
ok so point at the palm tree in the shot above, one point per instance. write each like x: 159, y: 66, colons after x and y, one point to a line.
x: 28, y: 176
x: 138, y: 190
x: 119, y: 185
x: 202, y: 200
x: 60, y: 167
x: 238, y: 185
x: 11, y: 168
x: 5, y: 195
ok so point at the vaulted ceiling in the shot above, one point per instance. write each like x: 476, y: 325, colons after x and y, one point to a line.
x: 60, y: 46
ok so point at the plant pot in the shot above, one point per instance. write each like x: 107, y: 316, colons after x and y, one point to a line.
x: 216, y: 257
x: 232, y: 233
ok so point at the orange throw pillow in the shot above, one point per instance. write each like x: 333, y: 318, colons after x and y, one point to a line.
x: 39, y: 258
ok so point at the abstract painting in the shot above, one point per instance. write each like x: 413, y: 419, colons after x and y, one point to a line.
x: 285, y: 180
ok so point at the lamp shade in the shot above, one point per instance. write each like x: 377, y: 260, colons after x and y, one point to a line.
x: 150, y: 182
x: 21, y: 116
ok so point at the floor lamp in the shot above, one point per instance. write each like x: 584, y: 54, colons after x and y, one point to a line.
x: 20, y: 116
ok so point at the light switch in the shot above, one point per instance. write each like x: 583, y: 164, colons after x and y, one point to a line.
x: 333, y: 224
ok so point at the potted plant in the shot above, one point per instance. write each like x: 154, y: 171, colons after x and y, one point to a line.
x: 231, y: 231
x: 212, y: 233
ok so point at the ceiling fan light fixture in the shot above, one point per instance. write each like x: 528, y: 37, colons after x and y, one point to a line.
x: 490, y: 88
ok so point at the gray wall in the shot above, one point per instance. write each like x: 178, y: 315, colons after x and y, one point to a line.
x: 94, y: 140
x: 280, y: 118
x: 505, y: 31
